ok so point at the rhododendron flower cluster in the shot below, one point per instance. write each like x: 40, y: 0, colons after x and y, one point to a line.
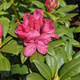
x: 51, y: 4
x: 36, y: 33
x: 1, y: 31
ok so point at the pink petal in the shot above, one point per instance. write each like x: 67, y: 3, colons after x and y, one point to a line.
x: 26, y: 41
x: 38, y: 14
x: 42, y: 48
x: 33, y: 34
x: 29, y: 50
x: 37, y: 25
x: 22, y: 30
x: 46, y: 28
x: 45, y: 38
x: 54, y: 36
x: 1, y: 31
x: 25, y: 19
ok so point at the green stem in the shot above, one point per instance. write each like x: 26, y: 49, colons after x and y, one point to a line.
x: 56, y: 78
x: 16, y: 14
x: 15, y: 11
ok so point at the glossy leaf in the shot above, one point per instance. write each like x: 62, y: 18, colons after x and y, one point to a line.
x: 12, y: 29
x: 77, y: 77
x: 77, y: 55
x: 4, y: 64
x: 43, y: 69
x: 34, y: 76
x: 38, y: 4
x: 68, y: 49
x: 51, y: 51
x: 67, y: 8
x: 72, y: 41
x: 77, y: 30
x: 69, y: 16
x: 53, y: 17
x: 1, y: 55
x: 61, y: 56
x: 6, y: 5
x: 61, y: 31
x: 37, y: 56
x: 5, y: 25
x: 6, y: 40
x: 56, y: 43
x: 61, y: 3
x: 75, y: 43
x: 19, y: 69
x: 52, y: 63
x: 22, y: 57
x: 70, y: 69
x: 11, y: 48
x: 3, y: 13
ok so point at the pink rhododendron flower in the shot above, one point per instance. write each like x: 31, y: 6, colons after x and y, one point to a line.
x: 48, y: 28
x: 22, y: 30
x: 38, y: 14
x: 51, y: 4
x: 1, y: 31
x: 36, y: 33
x: 32, y: 45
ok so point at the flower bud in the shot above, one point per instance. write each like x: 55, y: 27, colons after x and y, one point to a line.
x: 1, y: 31
x: 51, y: 4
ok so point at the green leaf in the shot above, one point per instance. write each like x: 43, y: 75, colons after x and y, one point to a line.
x: 43, y: 69
x: 32, y: 9
x: 6, y: 5
x: 77, y: 77
x: 61, y: 56
x: 1, y: 55
x: 22, y: 57
x: 52, y: 63
x: 11, y: 48
x: 72, y: 41
x: 77, y: 55
x: 51, y: 51
x: 77, y: 30
x: 70, y: 69
x: 69, y: 16
x: 5, y: 66
x: 56, y: 43
x: 0, y: 7
x: 53, y: 17
x: 68, y: 49
x: 75, y: 43
x: 6, y: 40
x: 69, y: 32
x: 3, y: 13
x: 34, y: 76
x: 61, y: 31
x: 12, y: 28
x: 38, y: 4
x: 67, y: 8
x: 19, y: 69
x: 61, y: 3
x: 37, y: 56
x: 5, y: 25
x: 17, y: 48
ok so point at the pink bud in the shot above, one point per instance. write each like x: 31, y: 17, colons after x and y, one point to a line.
x: 1, y: 31
x: 51, y: 4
